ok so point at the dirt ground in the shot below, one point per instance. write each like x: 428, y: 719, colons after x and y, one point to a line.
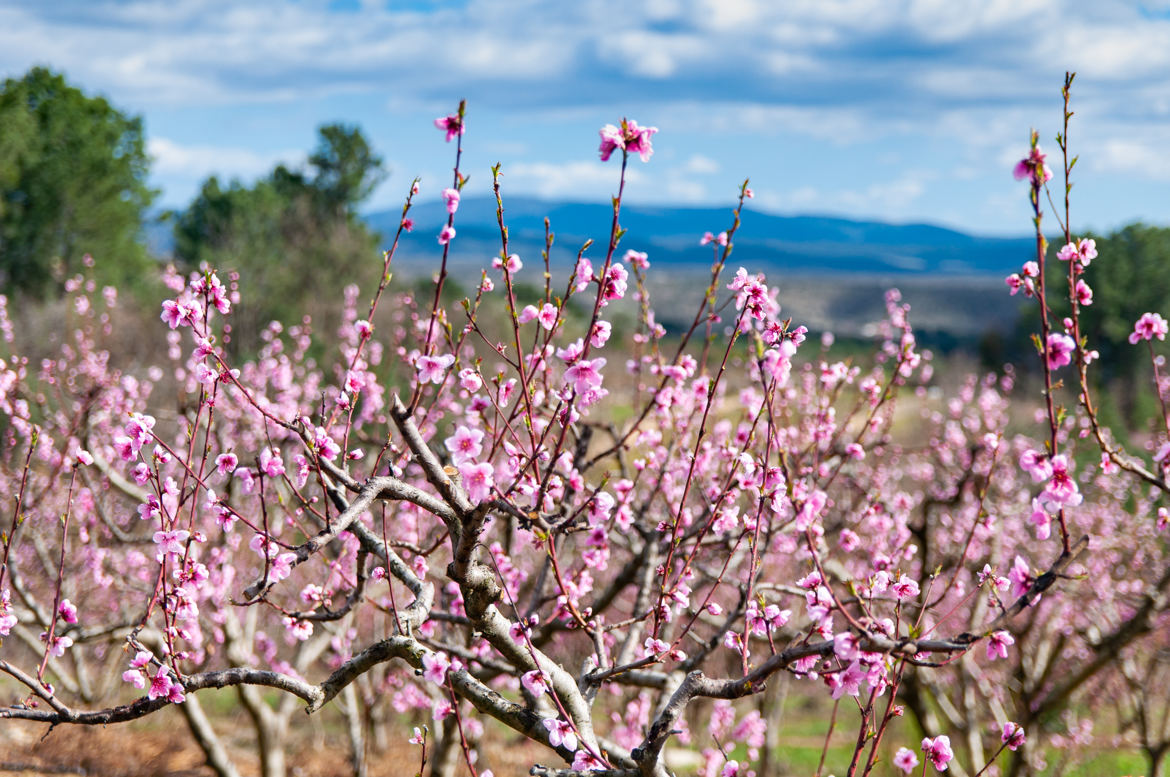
x: 133, y: 750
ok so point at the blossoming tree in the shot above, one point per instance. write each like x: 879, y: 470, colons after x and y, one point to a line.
x: 490, y: 512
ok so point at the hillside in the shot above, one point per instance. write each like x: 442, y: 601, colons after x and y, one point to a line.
x: 805, y: 244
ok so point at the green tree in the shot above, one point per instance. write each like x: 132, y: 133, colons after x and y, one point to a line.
x: 1129, y: 277
x: 73, y: 175
x: 281, y: 233
x: 347, y: 170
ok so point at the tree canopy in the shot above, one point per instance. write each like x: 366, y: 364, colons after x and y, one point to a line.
x: 279, y: 232
x: 73, y: 172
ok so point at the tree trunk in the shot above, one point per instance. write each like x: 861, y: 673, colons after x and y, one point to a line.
x: 270, y: 731
x: 446, y: 756
x: 1156, y: 757
x: 205, y: 736
x: 353, y: 723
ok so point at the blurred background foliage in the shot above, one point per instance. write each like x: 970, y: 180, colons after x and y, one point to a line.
x: 294, y: 237
x: 73, y: 181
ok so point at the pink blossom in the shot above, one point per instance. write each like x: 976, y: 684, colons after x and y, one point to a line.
x: 504, y: 395
x: 1149, y: 326
x: 585, y: 375
x: 160, y: 686
x: 298, y: 630
x: 363, y: 328
x: 1087, y: 248
x: 150, y: 509
x: 512, y: 263
x: 7, y: 617
x: 280, y: 567
x: 271, y: 463
x: 638, y: 139
x: 528, y: 313
x: 59, y: 644
x: 998, y: 643
x: 905, y: 759
x: 639, y: 259
x: 469, y: 379
x: 453, y: 125
x: 1033, y: 167
x: 584, y: 761
x: 1060, y: 350
x: 1083, y: 252
x: 465, y: 445
x: 174, y: 314
x: 1016, y: 283
x: 534, y: 682
x: 170, y: 542
x: 1036, y: 464
x: 478, y: 480
x: 1020, y: 576
x: 611, y: 140
x: 1013, y: 735
x: 583, y: 274
x: 615, y: 283
x: 847, y: 682
x: 435, y: 666
x: 1062, y: 487
x: 938, y: 750
x: 1084, y: 292
x: 432, y: 369
x: 451, y: 197
x: 548, y: 316
x: 326, y: 447
x: 629, y: 137
x: 560, y: 733
x: 1041, y: 520
x: 1162, y: 455
x: 905, y: 588
x: 446, y: 235
x: 418, y: 737
x: 68, y: 611
x: 600, y: 334
x: 572, y: 351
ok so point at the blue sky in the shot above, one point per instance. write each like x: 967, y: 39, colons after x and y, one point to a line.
x: 899, y: 110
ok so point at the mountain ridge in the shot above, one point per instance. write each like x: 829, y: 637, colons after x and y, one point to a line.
x: 768, y: 241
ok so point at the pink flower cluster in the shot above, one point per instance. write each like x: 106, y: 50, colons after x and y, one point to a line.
x: 1149, y: 326
x: 1033, y: 167
x: 629, y: 137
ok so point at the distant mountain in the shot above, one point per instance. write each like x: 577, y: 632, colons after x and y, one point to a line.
x: 832, y: 272
x: 802, y: 244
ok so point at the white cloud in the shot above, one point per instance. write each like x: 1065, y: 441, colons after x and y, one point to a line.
x: 698, y: 164
x: 968, y: 79
x: 1143, y: 159
x: 892, y: 199
x: 569, y: 180
x: 652, y: 54
x: 174, y: 160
